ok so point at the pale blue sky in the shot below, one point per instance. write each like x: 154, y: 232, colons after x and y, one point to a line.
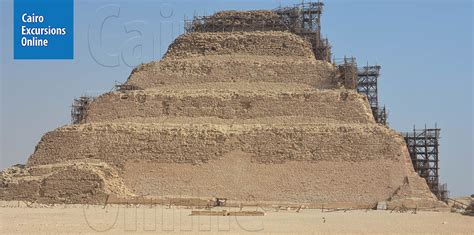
x: 425, y: 48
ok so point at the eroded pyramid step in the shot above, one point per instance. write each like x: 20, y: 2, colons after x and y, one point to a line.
x: 235, y: 68
x: 193, y: 141
x: 285, y: 161
x: 232, y: 101
x: 65, y: 182
x: 248, y: 43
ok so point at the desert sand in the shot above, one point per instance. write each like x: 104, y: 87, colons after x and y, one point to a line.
x: 16, y: 217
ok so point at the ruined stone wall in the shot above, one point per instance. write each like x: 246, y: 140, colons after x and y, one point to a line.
x: 187, y: 140
x: 254, y: 43
x: 237, y: 57
x: 351, y: 184
x: 240, y: 21
x: 239, y: 101
x: 65, y: 182
x: 360, y: 157
x: 236, y: 68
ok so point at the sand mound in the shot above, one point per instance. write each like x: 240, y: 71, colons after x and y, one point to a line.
x: 414, y: 193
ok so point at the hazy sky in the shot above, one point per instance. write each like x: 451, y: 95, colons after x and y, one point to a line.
x: 425, y: 48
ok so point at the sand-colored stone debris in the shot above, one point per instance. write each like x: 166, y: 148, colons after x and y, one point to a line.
x: 252, y: 117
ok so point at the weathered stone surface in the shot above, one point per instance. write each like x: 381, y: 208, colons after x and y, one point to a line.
x: 195, y: 141
x: 240, y: 21
x: 232, y: 101
x: 246, y: 116
x: 236, y: 68
x: 237, y: 177
x: 72, y: 182
x: 290, y: 162
x: 246, y: 43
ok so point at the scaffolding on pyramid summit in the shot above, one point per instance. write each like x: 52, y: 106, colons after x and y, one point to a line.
x: 303, y: 19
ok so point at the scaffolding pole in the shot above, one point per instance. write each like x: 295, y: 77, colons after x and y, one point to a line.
x: 367, y: 84
x: 348, y: 72
x: 79, y: 109
x: 423, y: 146
x: 303, y: 19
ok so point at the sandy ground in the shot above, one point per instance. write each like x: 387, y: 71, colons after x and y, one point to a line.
x: 114, y: 219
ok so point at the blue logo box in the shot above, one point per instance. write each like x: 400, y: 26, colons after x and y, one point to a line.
x: 43, y: 29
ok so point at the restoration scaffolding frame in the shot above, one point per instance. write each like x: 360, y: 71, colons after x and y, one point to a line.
x: 423, y: 146
x: 365, y: 81
x: 303, y: 19
x: 348, y: 71
x: 231, y: 23
x: 79, y: 109
x: 367, y: 84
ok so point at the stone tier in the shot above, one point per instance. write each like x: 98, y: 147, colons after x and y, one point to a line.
x: 236, y: 68
x: 232, y: 43
x: 232, y: 101
x: 270, y: 160
x: 197, y: 141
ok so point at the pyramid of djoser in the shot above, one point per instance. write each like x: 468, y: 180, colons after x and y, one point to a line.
x: 247, y: 116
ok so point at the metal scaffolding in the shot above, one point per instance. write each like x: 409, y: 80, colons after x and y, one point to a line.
x: 381, y: 115
x: 367, y: 84
x: 423, y: 145
x: 443, y: 192
x: 365, y: 81
x: 303, y: 19
x: 79, y: 109
x: 233, y: 23
x: 348, y: 72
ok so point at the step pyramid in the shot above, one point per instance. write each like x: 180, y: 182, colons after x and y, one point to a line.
x: 250, y: 116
